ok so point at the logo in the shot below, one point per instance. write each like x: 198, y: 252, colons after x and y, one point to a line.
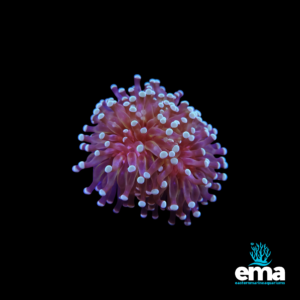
x: 260, y: 255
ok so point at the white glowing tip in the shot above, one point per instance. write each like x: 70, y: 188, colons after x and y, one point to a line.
x: 110, y: 103
x: 166, y: 102
x: 225, y: 165
x: 148, y: 92
x: 224, y: 176
x: 187, y: 172
x: 126, y: 103
x: 142, y: 203
x: 206, y: 162
x: 86, y: 148
x: 137, y: 76
x: 140, y: 148
x: 174, y: 161
x: 161, y: 111
x: 184, y: 120
x: 108, y: 169
x: 160, y: 169
x: 191, y: 137
x: 173, y: 107
x: 159, y: 116
x: 204, y: 180
x: 174, y: 124
x: 130, y: 90
x: 85, y: 128
x: 192, y: 204
x: 132, y: 109
x: 193, y: 130
x: 213, y: 136
x: 171, y: 140
x: 169, y: 131
x: 113, y: 86
x: 97, y: 153
x: 161, y: 95
x: 146, y: 175
x: 161, y: 105
x: 175, y: 148
x: 171, y: 153
x: 132, y: 98
x: 125, y: 130
x: 163, y: 120
x: 142, y: 94
x: 163, y: 154
x: 174, y: 207
x: 186, y: 134
x: 192, y: 115
x: 101, y: 135
x: 164, y: 184
x: 134, y: 122
x: 102, y: 193
x: 155, y: 191
x: 196, y: 214
x: 143, y: 130
x: 131, y: 168
x: 81, y: 165
x: 163, y: 204
x: 184, y: 101
x: 140, y: 180
x: 213, y: 198
x: 81, y: 137
x: 224, y: 151
x: 124, y: 139
x: 107, y: 143
x: 74, y: 169
x: 123, y: 197
x: 124, y: 98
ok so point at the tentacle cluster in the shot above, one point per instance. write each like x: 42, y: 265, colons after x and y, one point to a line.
x: 145, y: 145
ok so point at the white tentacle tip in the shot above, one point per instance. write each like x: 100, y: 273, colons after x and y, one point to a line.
x: 74, y: 169
x: 214, y: 137
x: 101, y: 135
x: 164, y: 184
x: 186, y: 134
x: 196, y: 214
x: 155, y: 192
x: 81, y: 137
x: 140, y: 148
x: 142, y: 203
x: 224, y: 176
x: 175, y: 148
x: 143, y: 130
x: 206, y: 162
x: 172, y: 153
x: 102, y: 193
x: 106, y: 144
x: 187, y: 172
x: 163, y: 154
x: 146, y: 175
x: 86, y: 191
x: 174, y: 207
x: 224, y: 151
x: 123, y: 197
x: 174, y: 161
x: 85, y: 128
x: 163, y: 204
x: 132, y: 99
x: 169, y: 131
x: 101, y: 116
x: 142, y: 94
x: 108, y: 169
x: 81, y: 165
x: 131, y: 168
x: 204, y: 180
x: 213, y: 198
x: 97, y: 153
x: 191, y: 204
x: 160, y: 168
x: 133, y: 123
x: 140, y: 179
x: 99, y: 204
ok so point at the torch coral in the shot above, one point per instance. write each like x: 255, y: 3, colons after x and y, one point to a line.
x: 147, y: 146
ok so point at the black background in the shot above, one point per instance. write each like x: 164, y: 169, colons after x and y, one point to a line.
x: 239, y: 89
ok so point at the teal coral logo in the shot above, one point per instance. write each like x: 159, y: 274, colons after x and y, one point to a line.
x: 260, y: 254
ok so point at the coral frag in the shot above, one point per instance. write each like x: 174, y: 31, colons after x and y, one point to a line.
x: 145, y: 145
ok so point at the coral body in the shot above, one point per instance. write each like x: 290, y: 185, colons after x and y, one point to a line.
x: 145, y: 145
